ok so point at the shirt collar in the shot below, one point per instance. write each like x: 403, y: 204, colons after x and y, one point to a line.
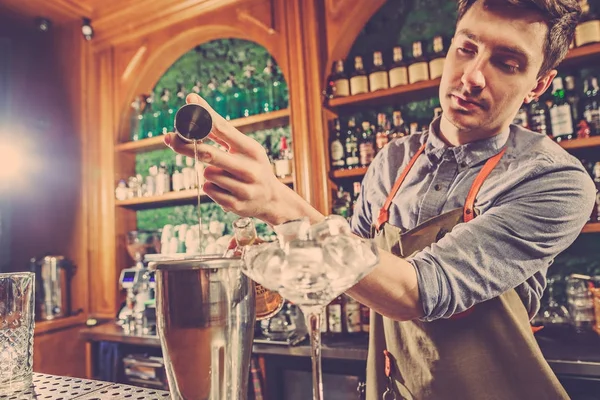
x: 466, y: 155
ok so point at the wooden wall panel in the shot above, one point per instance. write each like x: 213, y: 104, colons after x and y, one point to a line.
x: 103, y: 271
x: 60, y: 353
x: 345, y: 19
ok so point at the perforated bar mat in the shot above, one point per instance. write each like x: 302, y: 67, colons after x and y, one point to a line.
x: 49, y: 387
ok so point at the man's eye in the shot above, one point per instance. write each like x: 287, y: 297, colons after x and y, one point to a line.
x: 465, y: 51
x: 510, y: 68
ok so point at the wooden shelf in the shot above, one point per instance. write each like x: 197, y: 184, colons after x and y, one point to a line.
x: 248, y: 124
x: 593, y: 141
x: 173, y: 198
x: 581, y: 54
x: 59, y: 323
x: 591, y: 227
x: 350, y: 173
x: 399, y: 93
x: 423, y: 89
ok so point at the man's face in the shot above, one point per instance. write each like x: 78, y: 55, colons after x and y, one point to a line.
x: 491, y: 68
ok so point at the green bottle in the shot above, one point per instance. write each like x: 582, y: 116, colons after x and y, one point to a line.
x: 216, y: 99
x: 254, y: 93
x: 180, y: 96
x: 167, y: 112
x: 234, y: 98
x: 136, y: 119
x: 280, y: 90
x: 268, y: 103
x: 149, y: 118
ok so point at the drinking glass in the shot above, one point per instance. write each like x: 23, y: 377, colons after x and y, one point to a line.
x: 310, y: 265
x: 16, y: 331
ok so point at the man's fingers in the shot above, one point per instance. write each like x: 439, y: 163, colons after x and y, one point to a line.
x: 218, y: 140
x: 220, y: 196
x: 227, y: 182
x: 232, y: 163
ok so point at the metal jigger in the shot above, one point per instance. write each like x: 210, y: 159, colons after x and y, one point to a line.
x: 193, y: 122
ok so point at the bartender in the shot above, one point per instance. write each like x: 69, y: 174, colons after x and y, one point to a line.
x: 468, y: 214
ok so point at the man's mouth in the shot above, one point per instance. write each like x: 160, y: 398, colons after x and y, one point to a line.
x: 467, y: 103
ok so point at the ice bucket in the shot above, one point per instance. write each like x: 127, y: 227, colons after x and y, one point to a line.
x: 205, y: 309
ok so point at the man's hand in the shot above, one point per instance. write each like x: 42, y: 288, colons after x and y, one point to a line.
x: 239, y: 176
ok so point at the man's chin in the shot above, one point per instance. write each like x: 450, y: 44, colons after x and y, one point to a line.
x: 463, y: 120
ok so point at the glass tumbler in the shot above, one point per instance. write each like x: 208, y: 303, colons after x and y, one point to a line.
x: 16, y: 331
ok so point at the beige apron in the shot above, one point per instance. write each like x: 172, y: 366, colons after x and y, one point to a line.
x: 487, y: 352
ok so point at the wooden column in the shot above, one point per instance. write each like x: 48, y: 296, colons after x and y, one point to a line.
x: 305, y: 29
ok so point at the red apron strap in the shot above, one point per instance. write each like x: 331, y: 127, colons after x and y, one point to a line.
x: 384, y: 214
x: 490, y: 164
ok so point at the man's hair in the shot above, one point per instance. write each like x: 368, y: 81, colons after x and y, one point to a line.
x: 561, y: 17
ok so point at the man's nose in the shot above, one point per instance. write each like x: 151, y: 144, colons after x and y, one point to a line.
x: 473, y: 78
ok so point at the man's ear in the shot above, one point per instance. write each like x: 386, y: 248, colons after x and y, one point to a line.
x: 543, y: 83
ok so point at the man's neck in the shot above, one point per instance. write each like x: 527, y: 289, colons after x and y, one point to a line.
x: 453, y: 136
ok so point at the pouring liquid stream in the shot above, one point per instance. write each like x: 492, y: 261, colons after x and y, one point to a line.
x: 199, y: 193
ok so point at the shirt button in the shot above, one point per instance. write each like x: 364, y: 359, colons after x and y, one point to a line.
x: 437, y: 188
x: 463, y: 164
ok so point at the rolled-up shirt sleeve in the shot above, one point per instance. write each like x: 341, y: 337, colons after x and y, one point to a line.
x: 515, y: 238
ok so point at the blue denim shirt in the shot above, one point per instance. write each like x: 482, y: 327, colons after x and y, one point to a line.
x: 531, y: 207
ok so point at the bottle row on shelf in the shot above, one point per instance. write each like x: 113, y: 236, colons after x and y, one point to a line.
x: 344, y: 201
x: 345, y: 316
x: 259, y: 93
x: 162, y: 179
x: 183, y: 175
x: 401, y: 70
x: 352, y: 146
x: 566, y: 113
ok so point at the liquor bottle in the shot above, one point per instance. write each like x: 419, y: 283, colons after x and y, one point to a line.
x: 189, y: 175
x: 539, y: 118
x: 334, y: 317
x: 162, y: 115
x: 365, y: 318
x: 269, y: 91
x: 150, y: 125
x: 280, y: 90
x: 572, y: 98
x: 136, y: 119
x: 182, y: 94
x: 398, y: 72
x: 341, y: 84
x: 268, y: 146
x: 341, y: 204
x: 177, y: 178
x: 168, y: 112
x: 418, y: 70
x: 163, y: 180
x: 254, y: 100
x: 268, y: 302
x: 359, y: 83
x: 336, y: 147
x: 596, y: 176
x: 588, y: 29
x: 591, y: 105
x: 413, y: 128
x: 356, y: 186
x: 352, y: 315
x: 378, y: 78
x: 283, y: 163
x: 560, y: 113
x: 399, y: 128
x: 366, y: 147
x: 521, y: 118
x: 216, y: 99
x: 235, y: 99
x: 382, y: 136
x: 352, y: 159
x: 436, y: 65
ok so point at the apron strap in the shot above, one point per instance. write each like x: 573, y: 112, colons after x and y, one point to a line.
x: 490, y: 164
x: 384, y: 213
